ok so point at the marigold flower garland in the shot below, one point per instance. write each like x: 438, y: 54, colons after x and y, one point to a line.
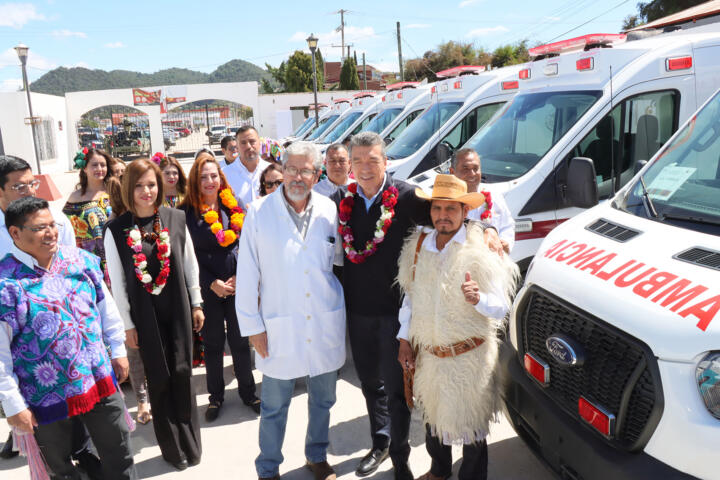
x: 237, y: 217
x: 488, y: 206
x: 162, y: 240
x: 387, y: 212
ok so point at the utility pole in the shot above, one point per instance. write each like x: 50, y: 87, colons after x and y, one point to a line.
x: 402, y: 76
x: 364, y: 73
x: 341, y: 29
x: 348, y: 51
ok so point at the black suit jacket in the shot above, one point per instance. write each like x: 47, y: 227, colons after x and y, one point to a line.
x: 370, y: 286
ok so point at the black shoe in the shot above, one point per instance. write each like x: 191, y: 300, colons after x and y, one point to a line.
x: 402, y: 471
x: 371, y: 462
x: 7, y: 450
x: 213, y: 411
x: 181, y: 465
x: 193, y: 461
x: 254, y: 403
x: 90, y: 464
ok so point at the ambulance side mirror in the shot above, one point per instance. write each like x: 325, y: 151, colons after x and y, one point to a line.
x: 581, y: 189
x: 639, y: 165
x: 443, y: 152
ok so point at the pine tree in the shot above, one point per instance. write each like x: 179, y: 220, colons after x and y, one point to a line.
x: 349, y: 76
x: 320, y: 65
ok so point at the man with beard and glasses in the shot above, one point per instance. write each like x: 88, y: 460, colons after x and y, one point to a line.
x: 244, y: 176
x: 287, y: 251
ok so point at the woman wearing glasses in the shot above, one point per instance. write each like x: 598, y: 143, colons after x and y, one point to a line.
x: 214, y: 220
x: 270, y: 179
x: 154, y: 273
x: 174, y: 182
x: 88, y: 207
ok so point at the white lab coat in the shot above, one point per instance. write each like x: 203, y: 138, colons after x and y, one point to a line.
x: 302, y: 306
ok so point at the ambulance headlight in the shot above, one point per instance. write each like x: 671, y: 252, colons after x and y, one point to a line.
x: 707, y: 374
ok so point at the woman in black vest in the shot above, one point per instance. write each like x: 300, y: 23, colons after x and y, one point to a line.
x: 154, y: 273
x: 214, y: 221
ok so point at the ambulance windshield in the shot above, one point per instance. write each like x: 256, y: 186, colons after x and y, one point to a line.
x: 335, y: 133
x: 324, y: 124
x: 683, y: 182
x: 379, y: 123
x: 522, y: 132
x: 415, y: 136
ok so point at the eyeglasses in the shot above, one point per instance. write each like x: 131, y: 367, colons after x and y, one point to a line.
x: 304, y: 172
x: 42, y: 228
x: 274, y: 184
x: 23, y: 187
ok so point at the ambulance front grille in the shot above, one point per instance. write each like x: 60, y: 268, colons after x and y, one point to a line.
x: 619, y: 372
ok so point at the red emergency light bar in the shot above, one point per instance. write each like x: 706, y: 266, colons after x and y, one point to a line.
x: 342, y: 100
x: 577, y: 42
x: 401, y: 85
x: 597, y: 417
x: 679, y: 63
x: 524, y: 74
x: 320, y: 105
x: 512, y: 85
x: 364, y: 95
x: 537, y: 368
x: 462, y: 70
x: 587, y: 63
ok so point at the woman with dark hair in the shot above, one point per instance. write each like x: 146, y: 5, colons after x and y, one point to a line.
x: 214, y: 220
x: 151, y: 261
x: 270, y: 179
x: 117, y: 167
x: 174, y: 181
x: 88, y: 207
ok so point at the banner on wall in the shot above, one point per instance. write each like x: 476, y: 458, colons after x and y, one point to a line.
x: 146, y: 97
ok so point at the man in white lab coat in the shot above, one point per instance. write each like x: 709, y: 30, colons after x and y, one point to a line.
x: 287, y: 250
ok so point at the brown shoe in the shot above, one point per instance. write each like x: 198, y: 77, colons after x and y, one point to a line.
x: 321, y: 470
x: 430, y: 476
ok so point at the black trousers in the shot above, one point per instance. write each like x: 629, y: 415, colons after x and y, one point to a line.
x: 474, y: 463
x: 375, y: 351
x: 109, y: 432
x: 220, y: 312
x: 174, y: 409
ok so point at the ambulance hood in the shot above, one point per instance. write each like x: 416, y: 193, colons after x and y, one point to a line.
x: 636, y: 285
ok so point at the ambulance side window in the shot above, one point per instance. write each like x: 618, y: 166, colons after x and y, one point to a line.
x: 363, y: 124
x: 634, y: 130
x: 403, y: 124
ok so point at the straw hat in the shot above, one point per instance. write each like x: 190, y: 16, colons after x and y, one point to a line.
x: 449, y: 187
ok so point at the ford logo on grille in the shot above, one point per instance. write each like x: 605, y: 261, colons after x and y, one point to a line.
x: 564, y: 350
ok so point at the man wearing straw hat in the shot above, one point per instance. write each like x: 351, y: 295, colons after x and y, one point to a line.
x: 457, y: 292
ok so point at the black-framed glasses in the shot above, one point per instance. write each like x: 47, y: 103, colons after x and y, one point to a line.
x: 41, y: 228
x: 274, y: 184
x: 304, y: 172
x: 23, y: 187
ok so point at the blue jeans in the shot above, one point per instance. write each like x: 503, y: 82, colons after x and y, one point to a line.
x: 275, y: 397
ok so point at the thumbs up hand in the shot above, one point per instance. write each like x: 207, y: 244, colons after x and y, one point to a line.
x: 471, y: 290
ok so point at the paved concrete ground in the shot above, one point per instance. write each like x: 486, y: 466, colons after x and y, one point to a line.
x: 230, y: 443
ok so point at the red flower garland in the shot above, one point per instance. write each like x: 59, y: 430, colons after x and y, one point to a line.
x: 162, y: 240
x: 488, y: 206
x: 389, y: 200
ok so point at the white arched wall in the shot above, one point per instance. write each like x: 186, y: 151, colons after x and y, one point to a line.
x: 78, y: 103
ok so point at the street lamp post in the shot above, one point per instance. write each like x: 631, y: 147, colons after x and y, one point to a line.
x: 22, y: 53
x: 312, y: 44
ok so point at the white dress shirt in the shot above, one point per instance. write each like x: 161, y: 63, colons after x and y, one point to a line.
x: 113, y: 336
x: 245, y: 184
x: 491, y: 304
x: 327, y: 187
x: 66, y: 234
x: 117, y: 276
x: 301, y: 307
x: 500, y: 218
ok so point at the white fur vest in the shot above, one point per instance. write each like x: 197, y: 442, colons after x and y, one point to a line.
x: 458, y: 395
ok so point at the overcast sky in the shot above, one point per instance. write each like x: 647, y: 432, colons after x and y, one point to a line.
x: 147, y: 36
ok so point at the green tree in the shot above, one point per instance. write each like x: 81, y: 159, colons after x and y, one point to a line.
x: 348, y: 75
x: 510, y: 54
x: 654, y: 9
x: 320, y: 66
x: 298, y: 72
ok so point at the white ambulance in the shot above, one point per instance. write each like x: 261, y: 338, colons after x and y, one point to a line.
x: 461, y: 102
x: 604, y: 96
x: 309, y: 122
x: 613, y: 365
x: 406, y: 102
x: 339, y: 106
x: 363, y: 108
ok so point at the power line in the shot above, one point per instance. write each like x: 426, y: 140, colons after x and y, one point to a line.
x: 583, y: 24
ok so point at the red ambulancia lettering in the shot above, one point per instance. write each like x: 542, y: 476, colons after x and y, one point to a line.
x: 675, y: 293
x: 607, y: 276
x: 622, y: 281
x: 705, y: 316
x: 585, y: 256
x: 595, y: 266
x: 653, y: 284
x: 552, y: 251
x: 579, y: 247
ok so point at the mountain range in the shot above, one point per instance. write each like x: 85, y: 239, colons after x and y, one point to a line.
x: 62, y: 80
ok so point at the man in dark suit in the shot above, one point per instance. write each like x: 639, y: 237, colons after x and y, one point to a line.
x: 372, y: 298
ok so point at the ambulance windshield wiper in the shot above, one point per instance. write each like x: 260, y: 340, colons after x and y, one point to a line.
x: 647, y: 201
x: 703, y: 220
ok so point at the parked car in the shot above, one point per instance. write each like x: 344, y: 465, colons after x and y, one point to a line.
x: 216, y: 133
x: 91, y: 140
x: 183, y: 131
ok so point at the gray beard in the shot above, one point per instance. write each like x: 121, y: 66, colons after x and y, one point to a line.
x: 297, y: 197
